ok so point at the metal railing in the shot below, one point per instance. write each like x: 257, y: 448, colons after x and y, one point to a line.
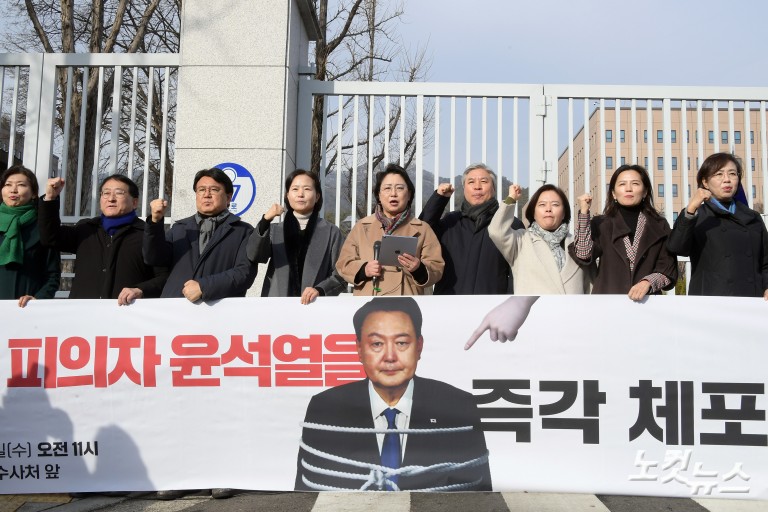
x: 87, y: 116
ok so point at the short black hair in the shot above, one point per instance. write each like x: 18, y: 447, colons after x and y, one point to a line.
x: 394, y: 169
x: 216, y: 175
x: 20, y: 169
x: 133, y: 188
x: 531, y: 209
x: 405, y: 305
x: 315, y: 179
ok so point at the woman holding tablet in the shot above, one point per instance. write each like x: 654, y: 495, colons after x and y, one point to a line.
x: 359, y: 265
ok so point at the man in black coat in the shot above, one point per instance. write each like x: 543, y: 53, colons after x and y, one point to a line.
x: 207, y: 251
x: 473, y: 264
x: 109, y: 263
x: 442, y: 448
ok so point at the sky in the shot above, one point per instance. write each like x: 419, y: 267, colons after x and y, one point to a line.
x: 658, y: 42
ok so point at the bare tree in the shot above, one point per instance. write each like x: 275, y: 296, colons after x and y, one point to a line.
x: 358, y: 41
x: 99, y: 26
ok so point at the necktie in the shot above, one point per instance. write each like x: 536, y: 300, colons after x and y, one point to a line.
x: 390, y: 449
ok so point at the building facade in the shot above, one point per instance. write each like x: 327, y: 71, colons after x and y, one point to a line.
x: 636, y: 141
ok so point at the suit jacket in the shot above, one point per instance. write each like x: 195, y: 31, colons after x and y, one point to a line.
x: 319, y: 263
x: 223, y: 269
x: 435, y: 405
x: 533, y: 264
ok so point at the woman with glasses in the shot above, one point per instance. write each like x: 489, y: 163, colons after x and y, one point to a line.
x: 628, y: 241
x: 28, y: 270
x: 726, y: 240
x: 303, y: 249
x: 393, y: 215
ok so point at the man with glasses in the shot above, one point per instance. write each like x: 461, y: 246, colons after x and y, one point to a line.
x: 109, y: 263
x: 207, y: 251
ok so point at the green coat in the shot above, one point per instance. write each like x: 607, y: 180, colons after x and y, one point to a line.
x: 38, y: 275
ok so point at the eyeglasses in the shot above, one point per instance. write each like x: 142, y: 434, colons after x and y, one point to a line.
x: 720, y: 175
x: 388, y: 189
x: 201, y: 191
x: 118, y: 192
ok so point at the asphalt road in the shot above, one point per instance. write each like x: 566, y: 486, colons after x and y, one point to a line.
x: 389, y: 502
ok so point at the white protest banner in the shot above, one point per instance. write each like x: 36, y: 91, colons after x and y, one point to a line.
x: 596, y: 394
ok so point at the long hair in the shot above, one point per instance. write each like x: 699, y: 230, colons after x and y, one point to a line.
x: 611, y: 204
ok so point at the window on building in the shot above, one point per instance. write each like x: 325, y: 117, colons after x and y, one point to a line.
x: 674, y: 136
x: 609, y: 162
x: 660, y: 163
x: 659, y: 136
x: 661, y: 190
x: 724, y: 137
x: 751, y: 137
x: 674, y: 163
x: 608, y: 135
x: 688, y: 163
x: 697, y: 136
x: 674, y: 190
x: 645, y: 136
x: 754, y: 191
x: 623, y: 161
x: 737, y: 137
x: 697, y: 162
x: 753, y: 165
x: 674, y: 216
x: 711, y: 137
x: 646, y: 163
x: 687, y: 137
x: 621, y: 135
x: 689, y: 191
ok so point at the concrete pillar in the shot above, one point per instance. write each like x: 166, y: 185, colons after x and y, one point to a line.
x: 237, y: 94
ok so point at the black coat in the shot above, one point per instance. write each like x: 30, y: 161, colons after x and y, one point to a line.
x: 105, y: 264
x: 435, y: 405
x: 473, y: 264
x: 223, y: 270
x: 613, y: 275
x: 38, y: 275
x: 729, y: 253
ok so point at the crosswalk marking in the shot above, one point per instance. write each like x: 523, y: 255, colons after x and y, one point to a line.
x: 355, y: 501
x: 551, y: 502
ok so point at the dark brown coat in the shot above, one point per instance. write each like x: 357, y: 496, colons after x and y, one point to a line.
x: 613, y: 274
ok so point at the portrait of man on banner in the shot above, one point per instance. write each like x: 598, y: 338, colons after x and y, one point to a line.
x: 393, y: 430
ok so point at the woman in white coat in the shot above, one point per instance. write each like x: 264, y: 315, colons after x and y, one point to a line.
x: 538, y: 255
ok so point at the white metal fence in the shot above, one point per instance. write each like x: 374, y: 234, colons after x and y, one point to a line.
x: 526, y: 133
x: 86, y: 116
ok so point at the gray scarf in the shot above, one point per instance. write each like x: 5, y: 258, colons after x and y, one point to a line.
x: 554, y: 239
x: 207, y: 225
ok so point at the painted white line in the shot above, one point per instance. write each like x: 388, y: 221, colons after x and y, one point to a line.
x: 551, y: 502
x: 356, y: 501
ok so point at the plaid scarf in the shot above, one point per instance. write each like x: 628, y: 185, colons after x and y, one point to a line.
x: 390, y: 225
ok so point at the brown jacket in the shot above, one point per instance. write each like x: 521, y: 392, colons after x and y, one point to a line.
x: 613, y: 274
x: 358, y: 250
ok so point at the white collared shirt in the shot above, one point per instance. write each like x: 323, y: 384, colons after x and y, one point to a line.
x: 402, y: 420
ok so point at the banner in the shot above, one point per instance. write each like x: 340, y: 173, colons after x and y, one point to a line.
x: 596, y: 394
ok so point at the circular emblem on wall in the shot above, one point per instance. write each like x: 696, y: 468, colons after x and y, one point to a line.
x: 244, y: 185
